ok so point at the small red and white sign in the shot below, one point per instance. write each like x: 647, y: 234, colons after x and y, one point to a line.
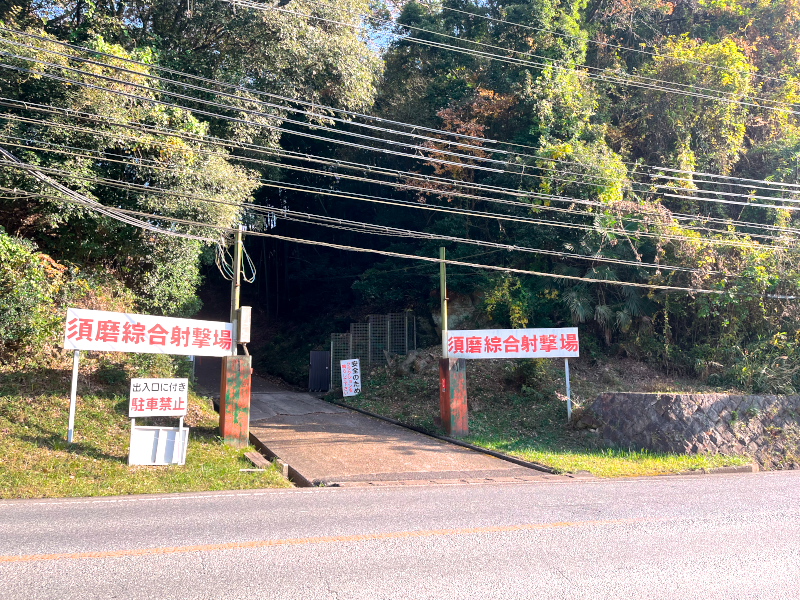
x: 351, y: 377
x: 514, y: 343
x: 158, y: 398
x: 123, y: 332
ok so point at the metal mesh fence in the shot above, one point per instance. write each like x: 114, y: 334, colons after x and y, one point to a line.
x: 378, y: 338
x: 398, y: 333
x: 394, y: 333
x: 341, y: 348
x: 360, y: 336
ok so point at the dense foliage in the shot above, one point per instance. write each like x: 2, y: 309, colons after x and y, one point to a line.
x: 591, y: 136
x: 106, y: 124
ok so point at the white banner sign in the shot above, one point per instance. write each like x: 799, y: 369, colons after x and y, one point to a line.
x: 122, y: 332
x: 514, y: 343
x: 351, y: 377
x: 158, y: 398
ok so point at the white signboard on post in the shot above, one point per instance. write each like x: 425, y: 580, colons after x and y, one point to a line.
x: 351, y: 377
x: 123, y: 332
x: 559, y: 342
x: 158, y: 398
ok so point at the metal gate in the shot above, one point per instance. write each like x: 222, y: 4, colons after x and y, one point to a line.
x: 319, y: 373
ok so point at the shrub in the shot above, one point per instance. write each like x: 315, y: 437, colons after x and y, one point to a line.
x: 29, y: 283
x: 35, y: 292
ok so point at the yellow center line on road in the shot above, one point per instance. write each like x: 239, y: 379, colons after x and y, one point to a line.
x: 312, y: 540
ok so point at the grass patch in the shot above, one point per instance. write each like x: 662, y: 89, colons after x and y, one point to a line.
x: 518, y: 408
x: 37, y: 462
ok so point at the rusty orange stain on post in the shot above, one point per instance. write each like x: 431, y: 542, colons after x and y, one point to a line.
x: 234, y: 405
x: 453, y: 395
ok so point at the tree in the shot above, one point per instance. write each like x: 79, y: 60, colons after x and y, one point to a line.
x: 108, y: 148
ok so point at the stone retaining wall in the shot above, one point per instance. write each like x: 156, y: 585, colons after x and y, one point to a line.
x: 766, y: 428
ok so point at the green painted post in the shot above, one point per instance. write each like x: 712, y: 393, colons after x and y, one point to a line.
x: 234, y: 405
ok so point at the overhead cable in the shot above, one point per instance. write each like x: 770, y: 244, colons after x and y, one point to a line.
x: 113, y: 213
x: 327, y: 108
x: 526, y: 205
x: 321, y: 138
x: 593, y: 72
x: 284, y: 107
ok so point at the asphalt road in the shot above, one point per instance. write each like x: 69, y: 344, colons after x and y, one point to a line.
x: 714, y: 536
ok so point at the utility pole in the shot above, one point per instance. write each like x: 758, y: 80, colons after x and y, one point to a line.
x: 452, y: 371
x: 236, y: 284
x: 235, y: 388
x: 443, y: 297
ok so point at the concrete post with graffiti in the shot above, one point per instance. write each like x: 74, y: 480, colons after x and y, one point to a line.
x: 453, y: 395
x: 234, y: 403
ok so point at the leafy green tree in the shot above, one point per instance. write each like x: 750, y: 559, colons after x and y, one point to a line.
x: 685, y: 131
x: 100, y: 155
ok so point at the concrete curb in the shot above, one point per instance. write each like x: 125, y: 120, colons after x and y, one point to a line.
x: 457, y: 442
x: 293, y: 474
x: 751, y: 468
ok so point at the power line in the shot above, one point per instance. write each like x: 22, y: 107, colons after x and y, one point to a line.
x: 139, y: 161
x: 454, y: 262
x: 321, y: 138
x: 594, y: 72
x: 749, y: 203
x: 96, y: 206
x: 616, y: 46
x: 267, y: 94
x: 429, y: 139
x: 284, y: 107
x: 435, y: 260
x: 488, y: 267
x: 430, y: 150
x: 405, y: 186
x: 343, y: 111
x: 113, y: 213
x: 360, y: 227
x: 393, y: 202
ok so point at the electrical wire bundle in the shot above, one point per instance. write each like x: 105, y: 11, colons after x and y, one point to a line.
x: 382, y: 136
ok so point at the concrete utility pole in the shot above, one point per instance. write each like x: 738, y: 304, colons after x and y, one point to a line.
x: 234, y: 395
x: 452, y: 371
x: 443, y: 298
x: 236, y: 283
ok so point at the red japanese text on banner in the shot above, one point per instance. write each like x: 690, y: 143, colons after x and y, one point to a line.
x: 351, y: 376
x: 561, y: 342
x: 123, y: 332
x: 158, y: 397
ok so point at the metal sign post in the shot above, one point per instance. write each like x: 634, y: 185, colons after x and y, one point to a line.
x: 569, y: 393
x: 182, y: 448
x: 73, y: 395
